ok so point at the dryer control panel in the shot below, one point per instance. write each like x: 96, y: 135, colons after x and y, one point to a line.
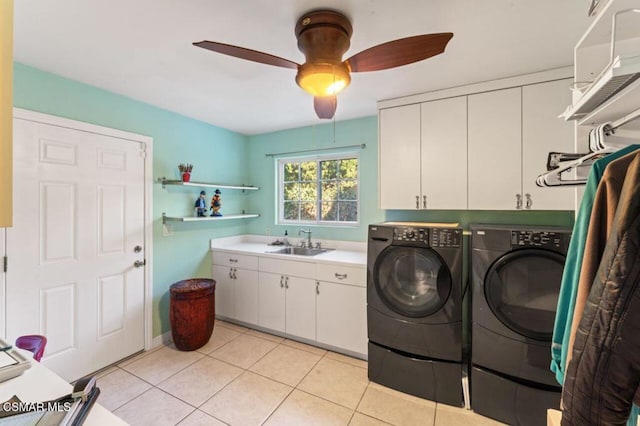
x: 548, y: 240
x: 431, y: 237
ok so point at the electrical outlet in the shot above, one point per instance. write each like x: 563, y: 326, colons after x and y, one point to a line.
x: 167, y: 230
x: 267, y: 231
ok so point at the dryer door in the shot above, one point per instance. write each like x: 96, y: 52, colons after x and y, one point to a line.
x: 414, y: 282
x: 522, y: 290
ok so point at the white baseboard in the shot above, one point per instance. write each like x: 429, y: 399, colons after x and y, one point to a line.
x: 163, y: 339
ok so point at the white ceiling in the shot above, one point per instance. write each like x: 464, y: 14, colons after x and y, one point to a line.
x: 142, y: 49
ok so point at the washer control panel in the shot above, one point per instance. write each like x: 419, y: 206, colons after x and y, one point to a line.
x: 549, y: 240
x: 410, y: 234
x: 431, y: 237
x: 446, y: 238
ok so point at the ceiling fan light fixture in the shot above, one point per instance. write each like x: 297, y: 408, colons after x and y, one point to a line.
x: 323, y: 79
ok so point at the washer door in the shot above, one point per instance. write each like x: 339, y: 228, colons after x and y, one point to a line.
x: 414, y: 282
x: 522, y: 290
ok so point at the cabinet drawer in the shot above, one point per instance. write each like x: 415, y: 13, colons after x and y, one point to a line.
x: 235, y: 260
x: 341, y: 274
x: 287, y: 267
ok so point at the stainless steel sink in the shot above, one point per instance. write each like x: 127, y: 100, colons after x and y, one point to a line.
x: 300, y: 251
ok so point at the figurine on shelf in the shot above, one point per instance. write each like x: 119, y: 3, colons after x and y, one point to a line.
x: 201, y: 205
x: 216, y: 203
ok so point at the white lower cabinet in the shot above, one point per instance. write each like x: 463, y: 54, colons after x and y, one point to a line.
x: 223, y: 275
x: 245, y: 303
x: 287, y: 304
x: 342, y: 316
x: 301, y: 307
x: 236, y: 293
x: 325, y: 303
x: 287, y: 297
x: 271, y: 301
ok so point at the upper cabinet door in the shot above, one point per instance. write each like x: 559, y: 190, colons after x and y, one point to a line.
x: 495, y: 149
x: 444, y: 154
x: 544, y: 132
x: 399, y: 157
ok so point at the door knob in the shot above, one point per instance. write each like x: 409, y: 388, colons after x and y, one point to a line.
x: 139, y: 263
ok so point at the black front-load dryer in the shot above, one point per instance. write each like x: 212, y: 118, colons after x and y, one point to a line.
x: 515, y: 276
x: 414, y: 309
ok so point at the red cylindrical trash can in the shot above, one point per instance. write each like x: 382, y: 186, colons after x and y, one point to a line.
x: 192, y: 311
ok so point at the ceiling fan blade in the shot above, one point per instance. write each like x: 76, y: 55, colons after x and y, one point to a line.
x: 325, y: 106
x: 248, y: 54
x: 399, y: 52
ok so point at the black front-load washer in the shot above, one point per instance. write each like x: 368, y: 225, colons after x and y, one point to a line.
x: 515, y: 276
x: 414, y: 309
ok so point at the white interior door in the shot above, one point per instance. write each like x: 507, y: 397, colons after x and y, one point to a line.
x: 78, y: 229
x: 3, y: 275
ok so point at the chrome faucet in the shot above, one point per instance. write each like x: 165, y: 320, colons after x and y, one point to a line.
x: 308, y: 244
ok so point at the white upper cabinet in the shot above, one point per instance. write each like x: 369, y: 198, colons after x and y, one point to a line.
x: 511, y: 133
x: 399, y: 157
x: 423, y: 155
x: 495, y: 150
x: 444, y: 154
x: 544, y: 132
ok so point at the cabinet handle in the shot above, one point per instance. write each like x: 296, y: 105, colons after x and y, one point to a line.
x: 529, y: 202
x: 317, y: 287
x: 417, y: 202
x: 230, y: 271
x: 518, y: 202
x: 233, y: 260
x: 234, y: 273
x: 340, y: 276
x: 281, y: 283
x: 286, y: 282
x: 424, y: 201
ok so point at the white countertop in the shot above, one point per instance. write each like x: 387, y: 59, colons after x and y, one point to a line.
x: 345, y: 252
x: 38, y: 384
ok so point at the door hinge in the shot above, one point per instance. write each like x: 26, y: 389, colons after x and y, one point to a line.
x: 5, y: 263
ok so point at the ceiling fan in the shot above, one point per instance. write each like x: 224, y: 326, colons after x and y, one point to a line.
x: 323, y: 37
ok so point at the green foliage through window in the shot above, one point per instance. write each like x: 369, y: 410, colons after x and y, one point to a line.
x: 318, y: 190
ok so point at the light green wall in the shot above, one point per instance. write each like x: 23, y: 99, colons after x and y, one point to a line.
x: 262, y: 172
x: 353, y: 132
x: 223, y: 156
x: 217, y: 155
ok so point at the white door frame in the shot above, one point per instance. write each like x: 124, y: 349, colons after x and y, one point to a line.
x: 147, y: 143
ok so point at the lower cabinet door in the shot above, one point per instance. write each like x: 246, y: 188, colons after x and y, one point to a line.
x: 301, y: 307
x: 342, y: 316
x: 271, y: 301
x: 246, y: 295
x: 223, y: 275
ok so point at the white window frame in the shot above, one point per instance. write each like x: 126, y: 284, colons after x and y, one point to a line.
x: 317, y: 158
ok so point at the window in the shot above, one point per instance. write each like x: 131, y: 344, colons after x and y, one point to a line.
x: 321, y: 190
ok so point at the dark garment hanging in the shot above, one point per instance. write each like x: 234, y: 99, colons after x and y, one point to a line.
x: 603, y: 212
x: 604, y: 372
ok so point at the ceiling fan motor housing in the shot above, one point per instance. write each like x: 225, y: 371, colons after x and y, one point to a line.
x: 323, y: 36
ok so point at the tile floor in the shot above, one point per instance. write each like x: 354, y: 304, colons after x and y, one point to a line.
x: 244, y: 377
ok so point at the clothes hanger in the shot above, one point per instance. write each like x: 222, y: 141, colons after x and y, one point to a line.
x: 556, y: 177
